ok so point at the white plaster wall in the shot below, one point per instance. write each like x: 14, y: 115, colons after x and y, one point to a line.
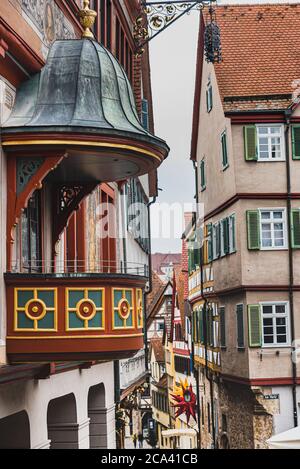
x: 34, y: 396
x: 132, y: 369
x: 284, y: 420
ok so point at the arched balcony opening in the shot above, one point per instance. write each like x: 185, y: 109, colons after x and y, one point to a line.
x: 62, y: 423
x: 15, y: 431
x: 97, y: 413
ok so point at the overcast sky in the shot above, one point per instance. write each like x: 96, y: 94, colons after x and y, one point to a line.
x: 173, y: 64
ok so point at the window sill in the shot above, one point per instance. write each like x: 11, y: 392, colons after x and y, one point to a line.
x: 284, y: 248
x: 241, y: 349
x: 275, y: 160
x: 264, y: 347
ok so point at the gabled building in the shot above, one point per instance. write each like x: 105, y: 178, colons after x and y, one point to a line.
x: 244, y: 282
x: 77, y: 155
x: 158, y: 307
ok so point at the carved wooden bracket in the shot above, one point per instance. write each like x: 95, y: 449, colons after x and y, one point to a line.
x: 25, y: 174
x: 66, y: 199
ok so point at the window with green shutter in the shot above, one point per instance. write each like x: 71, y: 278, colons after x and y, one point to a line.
x: 295, y: 226
x: 224, y: 150
x: 209, y: 243
x: 296, y: 142
x: 202, y: 175
x: 253, y: 229
x: 240, y: 326
x: 222, y: 327
x: 250, y: 143
x: 225, y: 237
x: 254, y: 326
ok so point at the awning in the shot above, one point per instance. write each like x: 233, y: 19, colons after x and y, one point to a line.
x: 286, y: 440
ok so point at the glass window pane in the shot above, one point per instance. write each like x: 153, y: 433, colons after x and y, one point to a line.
x: 265, y: 215
x: 279, y: 243
x: 267, y: 243
x: 281, y: 339
x: 280, y: 309
x: 267, y: 309
x: 268, y: 339
x: 277, y: 214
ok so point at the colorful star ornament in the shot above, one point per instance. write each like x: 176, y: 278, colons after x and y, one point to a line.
x: 185, y: 399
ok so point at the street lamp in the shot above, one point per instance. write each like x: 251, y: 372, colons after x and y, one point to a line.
x: 156, y: 16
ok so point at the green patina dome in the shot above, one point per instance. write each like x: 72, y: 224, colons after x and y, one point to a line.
x: 82, y: 88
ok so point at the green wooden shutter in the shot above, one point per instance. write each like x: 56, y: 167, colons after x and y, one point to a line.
x: 296, y: 142
x: 295, y: 226
x: 209, y: 243
x: 254, y: 326
x: 225, y: 235
x: 250, y: 142
x: 232, y: 238
x: 217, y: 235
x: 222, y: 327
x: 253, y: 229
x: 240, y: 326
x: 201, y: 327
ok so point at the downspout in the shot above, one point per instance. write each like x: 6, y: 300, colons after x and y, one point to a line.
x: 146, y: 293
x: 291, y: 261
x: 207, y: 373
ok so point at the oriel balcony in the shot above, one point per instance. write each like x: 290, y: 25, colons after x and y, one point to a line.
x: 75, y: 313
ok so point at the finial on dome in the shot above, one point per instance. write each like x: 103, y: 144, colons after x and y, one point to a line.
x: 87, y: 20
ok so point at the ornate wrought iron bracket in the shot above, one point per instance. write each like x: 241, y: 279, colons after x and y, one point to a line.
x: 156, y: 16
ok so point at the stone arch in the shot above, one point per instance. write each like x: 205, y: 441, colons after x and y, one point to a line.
x: 15, y: 431
x: 62, y: 423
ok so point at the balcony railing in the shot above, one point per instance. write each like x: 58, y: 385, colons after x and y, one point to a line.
x: 74, y: 311
x: 80, y: 267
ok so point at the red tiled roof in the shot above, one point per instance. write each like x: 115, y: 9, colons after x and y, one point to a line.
x: 164, y: 260
x: 260, y: 49
x: 157, y: 346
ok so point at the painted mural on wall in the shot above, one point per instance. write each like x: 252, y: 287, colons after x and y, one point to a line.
x: 48, y: 20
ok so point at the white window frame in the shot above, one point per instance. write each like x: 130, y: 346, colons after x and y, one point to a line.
x: 282, y: 143
x: 285, y: 241
x: 273, y: 315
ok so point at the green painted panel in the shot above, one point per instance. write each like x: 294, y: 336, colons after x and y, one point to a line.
x: 96, y: 297
x: 96, y: 321
x: 117, y: 297
x: 129, y: 321
x: 24, y: 297
x: 74, y: 297
x: 47, y: 322
x: 74, y: 321
x: 118, y: 321
x: 47, y: 297
x: 24, y: 322
x: 128, y: 295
